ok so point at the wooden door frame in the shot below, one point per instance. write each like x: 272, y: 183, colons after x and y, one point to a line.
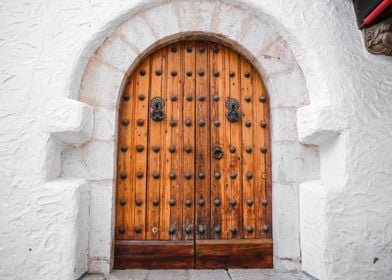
x: 203, y: 249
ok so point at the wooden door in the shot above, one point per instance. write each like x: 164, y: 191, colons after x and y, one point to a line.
x: 193, y: 170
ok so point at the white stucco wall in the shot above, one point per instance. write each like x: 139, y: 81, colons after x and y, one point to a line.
x: 346, y: 215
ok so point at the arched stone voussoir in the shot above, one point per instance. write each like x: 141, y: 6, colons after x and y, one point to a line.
x: 71, y: 121
x: 318, y: 124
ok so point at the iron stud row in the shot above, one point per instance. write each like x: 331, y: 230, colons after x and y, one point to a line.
x: 201, y: 229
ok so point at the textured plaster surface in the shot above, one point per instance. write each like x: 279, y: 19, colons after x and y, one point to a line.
x: 47, y: 224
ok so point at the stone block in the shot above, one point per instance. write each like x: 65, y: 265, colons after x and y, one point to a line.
x: 101, y: 219
x: 104, y: 124
x: 101, y: 85
x: 284, y: 124
x: 117, y: 53
x: 286, y: 222
x: 100, y: 159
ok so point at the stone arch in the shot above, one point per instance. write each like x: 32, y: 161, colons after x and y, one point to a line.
x: 260, y: 40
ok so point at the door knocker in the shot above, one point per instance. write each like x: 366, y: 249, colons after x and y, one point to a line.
x: 217, y: 152
x: 157, y: 113
x: 232, y: 106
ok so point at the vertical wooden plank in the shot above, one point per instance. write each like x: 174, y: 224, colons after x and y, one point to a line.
x: 218, y: 129
x: 165, y: 155
x: 248, y: 125
x: 175, y: 121
x: 123, y: 151
x: 129, y: 190
x: 235, y: 139
x: 268, y: 172
x: 154, y: 157
x: 203, y: 141
x: 141, y: 139
x: 226, y: 191
x: 188, y: 100
x: 260, y: 174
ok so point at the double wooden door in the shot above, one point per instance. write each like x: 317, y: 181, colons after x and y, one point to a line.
x: 193, y: 174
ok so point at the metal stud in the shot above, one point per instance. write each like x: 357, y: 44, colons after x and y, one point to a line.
x: 174, y: 73
x: 121, y: 229
x: 140, y: 122
x: 172, y: 230
x: 158, y: 72
x: 123, y: 175
x: 216, y: 73
x: 201, y: 229
x: 155, y: 202
x: 202, y: 49
x: 248, y: 123
x: 264, y: 202
x: 247, y: 74
x: 142, y: 72
x: 249, y: 175
x: 231, y: 74
x: 173, y: 123
x: 217, y: 123
x: 233, y: 230
x: 188, y: 175
x: 174, y: 49
x: 189, y: 98
x: 126, y: 97
x: 138, y: 201
x: 156, y: 149
x: 125, y: 122
x: 215, y: 49
x: 202, y: 98
x: 139, y: 174
x: 263, y: 149
x: 233, y: 175
x: 124, y: 148
x: 188, y: 203
x: 201, y: 201
x: 233, y: 202
x: 138, y: 229
x: 173, y: 98
x: 188, y: 149
x: 248, y: 149
x: 216, y: 98
x: 217, y: 229
x: 232, y: 149
x: 172, y: 202
x: 263, y: 124
x: 265, y: 228
x: 172, y: 149
x: 202, y: 175
x: 172, y: 175
x: 189, y: 73
x: 248, y: 99
x: 156, y: 175
x: 141, y: 97
x: 189, y: 49
x: 202, y: 123
x: 249, y: 202
x: 139, y: 148
x: 217, y: 175
x: 217, y: 202
x: 188, y: 229
x: 262, y: 98
x: 123, y: 202
x: 249, y: 229
x: 201, y: 72
x: 188, y: 122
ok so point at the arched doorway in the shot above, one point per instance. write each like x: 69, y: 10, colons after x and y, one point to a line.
x: 193, y: 163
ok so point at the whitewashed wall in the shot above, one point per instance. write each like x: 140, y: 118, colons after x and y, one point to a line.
x: 345, y: 215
